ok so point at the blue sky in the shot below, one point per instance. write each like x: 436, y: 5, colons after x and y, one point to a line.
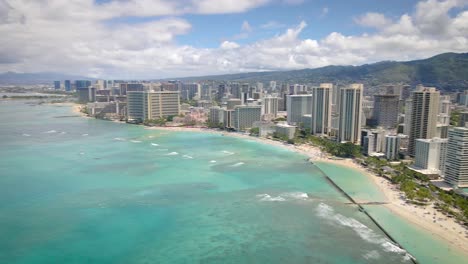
x: 131, y: 39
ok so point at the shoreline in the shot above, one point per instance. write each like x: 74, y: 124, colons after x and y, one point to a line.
x: 443, y: 228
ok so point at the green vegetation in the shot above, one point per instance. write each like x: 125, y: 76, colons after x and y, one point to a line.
x: 255, y: 131
x: 455, y: 118
x: 280, y: 119
x: 418, y: 189
x: 446, y: 71
x: 344, y: 150
x: 215, y: 125
x: 155, y: 122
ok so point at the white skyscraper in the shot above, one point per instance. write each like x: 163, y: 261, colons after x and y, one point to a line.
x: 297, y: 106
x: 321, y: 109
x: 430, y: 154
x: 270, y: 106
x: 456, y: 165
x: 422, y: 121
x: 350, y: 113
x: 152, y: 105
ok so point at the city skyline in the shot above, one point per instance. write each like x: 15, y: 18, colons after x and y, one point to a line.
x: 164, y: 39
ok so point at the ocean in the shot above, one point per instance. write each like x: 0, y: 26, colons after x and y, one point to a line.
x: 81, y: 190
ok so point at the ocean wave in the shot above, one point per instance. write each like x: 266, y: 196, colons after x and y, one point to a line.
x: 364, y: 232
x: 296, y: 195
x: 162, y: 149
x: 135, y: 141
x: 187, y: 157
x: 50, y: 132
x: 284, y: 196
x: 212, y: 161
x: 237, y: 164
x: 119, y: 139
x: 172, y: 154
x: 228, y: 152
x: 63, y: 132
x: 84, y: 135
x: 154, y: 144
x: 374, y: 254
x: 26, y: 135
x: 264, y: 197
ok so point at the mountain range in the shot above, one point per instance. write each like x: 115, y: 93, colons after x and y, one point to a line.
x: 447, y: 71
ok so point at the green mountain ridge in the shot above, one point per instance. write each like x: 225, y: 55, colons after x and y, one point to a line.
x: 448, y: 71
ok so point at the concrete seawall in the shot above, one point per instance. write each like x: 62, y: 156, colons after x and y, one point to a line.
x: 363, y: 210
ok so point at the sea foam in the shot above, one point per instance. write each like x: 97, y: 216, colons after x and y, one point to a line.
x: 367, y: 234
x: 172, y: 154
x: 154, y: 144
x: 237, y: 164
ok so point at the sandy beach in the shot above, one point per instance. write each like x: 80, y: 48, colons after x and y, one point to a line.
x: 426, y: 217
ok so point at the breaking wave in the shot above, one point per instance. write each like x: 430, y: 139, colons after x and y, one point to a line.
x: 172, y: 154
x: 154, y: 144
x: 119, y: 139
x: 367, y: 234
x: 228, y: 152
x: 237, y: 164
x: 187, y: 157
x: 135, y: 141
x: 26, y: 135
x: 268, y: 198
x: 50, y: 132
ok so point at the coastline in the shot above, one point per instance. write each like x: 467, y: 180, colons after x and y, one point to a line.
x: 443, y: 227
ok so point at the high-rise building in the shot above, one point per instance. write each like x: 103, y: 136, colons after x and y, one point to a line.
x: 221, y: 92
x: 392, y: 147
x: 131, y: 87
x: 456, y: 165
x: 270, y: 106
x: 386, y: 109
x: 422, y: 122
x: 216, y: 115
x: 235, y: 90
x: 463, y: 99
x: 367, y: 110
x: 297, y: 106
x: 430, y: 154
x: 244, y: 116
x: 231, y: 103
x: 227, y: 118
x: 321, y: 109
x: 80, y: 84
x: 463, y: 119
x: 189, y: 90
x: 152, y: 105
x: 273, y: 85
x: 372, y: 141
x: 56, y: 85
x: 67, y: 85
x: 349, y: 129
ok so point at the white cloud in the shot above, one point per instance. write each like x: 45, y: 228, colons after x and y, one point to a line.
x: 229, y: 45
x: 373, y: 20
x: 246, y: 26
x: 324, y: 12
x: 272, y: 25
x: 73, y: 36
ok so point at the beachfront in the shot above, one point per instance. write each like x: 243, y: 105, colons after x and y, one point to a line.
x: 426, y: 217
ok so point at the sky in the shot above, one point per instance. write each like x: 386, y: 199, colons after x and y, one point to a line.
x: 151, y: 39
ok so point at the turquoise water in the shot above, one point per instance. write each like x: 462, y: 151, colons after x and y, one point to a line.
x: 79, y: 190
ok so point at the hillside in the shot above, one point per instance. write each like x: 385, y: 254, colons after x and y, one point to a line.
x: 448, y: 71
